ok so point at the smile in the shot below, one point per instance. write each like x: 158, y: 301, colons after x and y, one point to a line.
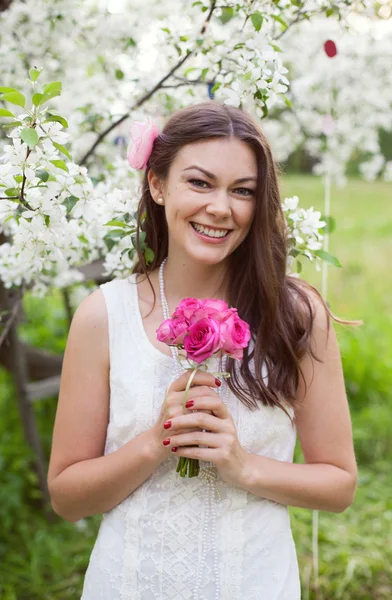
x: 209, y: 231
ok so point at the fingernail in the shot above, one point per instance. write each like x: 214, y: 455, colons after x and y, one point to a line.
x: 168, y: 424
x: 218, y: 383
x: 174, y: 449
x: 189, y: 403
x: 166, y: 442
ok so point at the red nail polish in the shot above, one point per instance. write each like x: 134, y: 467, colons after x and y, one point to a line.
x: 174, y: 449
x: 168, y: 424
x: 189, y: 403
x: 166, y: 442
x: 218, y: 383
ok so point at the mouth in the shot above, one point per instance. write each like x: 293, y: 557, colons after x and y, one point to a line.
x: 213, y: 233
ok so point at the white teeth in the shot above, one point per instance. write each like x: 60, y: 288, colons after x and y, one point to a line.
x: 210, y: 232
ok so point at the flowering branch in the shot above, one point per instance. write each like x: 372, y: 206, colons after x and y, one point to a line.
x: 148, y: 95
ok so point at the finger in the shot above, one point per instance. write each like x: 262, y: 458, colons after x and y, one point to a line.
x: 201, y: 420
x: 214, y: 405
x: 195, y: 438
x: 200, y: 378
x: 198, y: 391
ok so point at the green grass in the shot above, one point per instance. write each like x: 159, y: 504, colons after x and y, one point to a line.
x: 47, y: 561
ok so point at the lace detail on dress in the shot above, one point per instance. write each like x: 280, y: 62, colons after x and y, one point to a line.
x: 149, y: 547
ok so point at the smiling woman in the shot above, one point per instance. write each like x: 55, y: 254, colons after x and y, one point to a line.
x: 213, y: 218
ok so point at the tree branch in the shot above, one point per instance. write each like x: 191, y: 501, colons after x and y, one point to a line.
x: 10, y: 320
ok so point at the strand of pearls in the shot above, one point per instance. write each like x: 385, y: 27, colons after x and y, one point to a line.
x: 207, y: 472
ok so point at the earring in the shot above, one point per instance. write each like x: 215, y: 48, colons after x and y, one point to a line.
x: 160, y: 200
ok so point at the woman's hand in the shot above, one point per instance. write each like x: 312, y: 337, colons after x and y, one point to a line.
x: 220, y: 438
x: 200, y: 388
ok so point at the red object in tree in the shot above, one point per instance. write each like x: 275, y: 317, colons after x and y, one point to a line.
x: 330, y: 48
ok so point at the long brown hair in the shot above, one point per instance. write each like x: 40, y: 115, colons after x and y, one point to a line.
x: 276, y: 306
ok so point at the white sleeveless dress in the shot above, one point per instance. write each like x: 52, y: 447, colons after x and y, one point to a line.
x: 150, y: 546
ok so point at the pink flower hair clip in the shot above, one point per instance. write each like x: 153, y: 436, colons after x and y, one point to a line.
x: 143, y: 135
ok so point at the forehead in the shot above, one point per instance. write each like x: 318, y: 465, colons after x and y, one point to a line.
x: 223, y: 156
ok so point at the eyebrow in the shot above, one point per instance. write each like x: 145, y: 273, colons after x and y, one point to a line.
x: 212, y: 176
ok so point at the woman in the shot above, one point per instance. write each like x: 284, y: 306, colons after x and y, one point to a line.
x: 211, y: 200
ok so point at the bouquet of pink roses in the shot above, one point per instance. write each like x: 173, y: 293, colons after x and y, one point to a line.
x: 200, y: 329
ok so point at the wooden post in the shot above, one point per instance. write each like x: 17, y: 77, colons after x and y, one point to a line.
x: 18, y: 368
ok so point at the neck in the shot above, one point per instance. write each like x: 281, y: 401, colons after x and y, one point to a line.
x: 188, y: 279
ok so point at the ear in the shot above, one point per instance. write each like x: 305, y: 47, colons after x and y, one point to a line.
x: 156, y: 188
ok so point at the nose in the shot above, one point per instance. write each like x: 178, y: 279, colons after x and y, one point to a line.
x: 219, y: 205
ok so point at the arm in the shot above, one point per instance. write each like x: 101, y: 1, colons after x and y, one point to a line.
x: 328, y: 479
x: 82, y: 481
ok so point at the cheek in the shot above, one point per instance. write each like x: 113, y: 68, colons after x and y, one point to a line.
x: 245, y: 215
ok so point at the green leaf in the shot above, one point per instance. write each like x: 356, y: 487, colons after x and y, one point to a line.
x: 331, y: 224
x: 57, y: 119
x: 204, y: 73
x: 329, y: 258
x: 119, y: 74
x: 63, y: 150
x: 12, y: 124
x: 149, y: 255
x: 130, y: 42
x: 53, y: 86
x: 34, y: 74
x: 47, y: 220
x: 227, y: 14
x: 257, y: 20
x: 280, y: 20
x: 11, y: 192
x: 29, y: 136
x: 15, y: 98
x: 115, y: 234
x: 294, y: 252
x: 115, y: 223
x: 299, y: 266
x: 18, y: 178
x: 37, y: 99
x: 83, y: 239
x: 142, y: 240
x: 42, y: 175
x: 276, y: 48
x: 50, y: 95
x: 6, y: 113
x: 70, y: 202
x: 5, y: 90
x: 60, y: 164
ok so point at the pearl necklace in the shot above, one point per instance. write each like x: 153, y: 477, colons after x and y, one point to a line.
x: 207, y: 472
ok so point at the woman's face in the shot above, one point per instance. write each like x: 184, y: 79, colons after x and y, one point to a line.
x: 211, y: 185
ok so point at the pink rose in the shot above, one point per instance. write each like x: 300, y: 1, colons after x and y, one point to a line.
x: 203, y: 340
x: 217, y: 309
x: 179, y: 330
x: 164, y: 332
x: 142, y: 136
x: 236, y: 335
x: 187, y: 308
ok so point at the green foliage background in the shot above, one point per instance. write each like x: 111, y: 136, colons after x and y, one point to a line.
x: 47, y: 561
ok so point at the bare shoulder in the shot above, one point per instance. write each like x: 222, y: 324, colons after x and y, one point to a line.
x: 91, y: 313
